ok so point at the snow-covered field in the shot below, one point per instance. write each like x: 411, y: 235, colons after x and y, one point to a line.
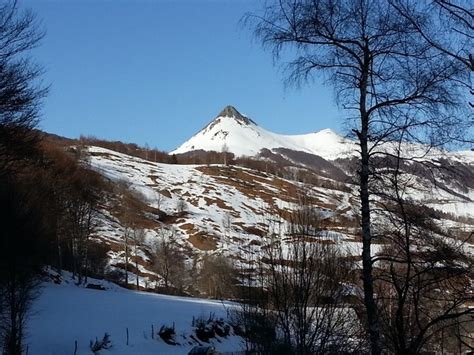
x: 66, y: 313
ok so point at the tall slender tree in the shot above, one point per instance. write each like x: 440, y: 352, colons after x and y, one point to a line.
x: 386, y: 76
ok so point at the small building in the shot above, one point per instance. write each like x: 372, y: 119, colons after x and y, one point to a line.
x: 203, y: 350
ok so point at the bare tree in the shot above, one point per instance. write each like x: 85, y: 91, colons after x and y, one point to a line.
x: 130, y: 213
x: 169, y: 262
x: 424, y: 293
x: 451, y: 32
x: 181, y: 206
x: 20, y: 93
x: 301, y: 284
x: 22, y: 222
x: 455, y: 17
x: 424, y: 273
x: 147, y: 150
x: 126, y: 250
x: 137, y: 238
x: 225, y: 153
x: 386, y: 76
x: 81, y: 214
x: 158, y: 199
x: 217, y: 277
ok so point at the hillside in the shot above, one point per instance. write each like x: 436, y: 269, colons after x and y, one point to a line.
x: 230, y: 210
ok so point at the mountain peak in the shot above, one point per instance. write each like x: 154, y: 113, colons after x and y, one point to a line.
x: 231, y: 112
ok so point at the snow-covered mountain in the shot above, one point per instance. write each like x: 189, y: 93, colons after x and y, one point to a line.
x: 238, y: 134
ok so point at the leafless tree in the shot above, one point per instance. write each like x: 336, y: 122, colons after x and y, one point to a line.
x: 81, y: 215
x: 130, y: 213
x: 216, y: 277
x: 388, y: 78
x: 424, y: 273
x: 306, y: 287
x: 225, y: 153
x: 169, y: 262
x: 126, y: 250
x: 137, y: 238
x: 455, y: 18
x: 300, y: 287
x: 23, y: 225
x: 181, y: 205
x: 158, y: 199
x: 20, y: 93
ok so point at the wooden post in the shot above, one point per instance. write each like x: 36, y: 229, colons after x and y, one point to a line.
x: 75, y: 347
x: 152, y: 332
x: 127, y: 335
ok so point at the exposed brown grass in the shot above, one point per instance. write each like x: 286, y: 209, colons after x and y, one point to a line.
x: 202, y: 241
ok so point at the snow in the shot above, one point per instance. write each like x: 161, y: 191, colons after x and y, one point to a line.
x: 215, y: 194
x: 66, y: 313
x: 246, y: 138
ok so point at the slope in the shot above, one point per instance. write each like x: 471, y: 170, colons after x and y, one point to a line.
x: 228, y: 210
x: 65, y: 313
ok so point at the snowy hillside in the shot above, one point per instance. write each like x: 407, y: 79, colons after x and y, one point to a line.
x: 228, y: 210
x: 233, y: 132
x: 65, y: 313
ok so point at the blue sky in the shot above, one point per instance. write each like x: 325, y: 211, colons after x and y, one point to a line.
x: 156, y: 72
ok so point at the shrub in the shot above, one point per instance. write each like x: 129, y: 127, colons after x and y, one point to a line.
x: 204, y: 332
x: 208, y: 328
x: 99, y: 345
x: 167, y: 334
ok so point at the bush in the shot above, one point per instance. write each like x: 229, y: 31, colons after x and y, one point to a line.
x: 208, y: 328
x: 204, y: 332
x: 167, y: 334
x: 99, y: 345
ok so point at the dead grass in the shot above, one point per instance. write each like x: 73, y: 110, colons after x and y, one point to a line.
x: 256, y: 185
x: 203, y: 242
x: 218, y: 202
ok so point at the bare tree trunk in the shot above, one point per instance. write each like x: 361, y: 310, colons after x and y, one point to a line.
x: 136, y: 265
x: 364, y: 173
x: 126, y: 256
